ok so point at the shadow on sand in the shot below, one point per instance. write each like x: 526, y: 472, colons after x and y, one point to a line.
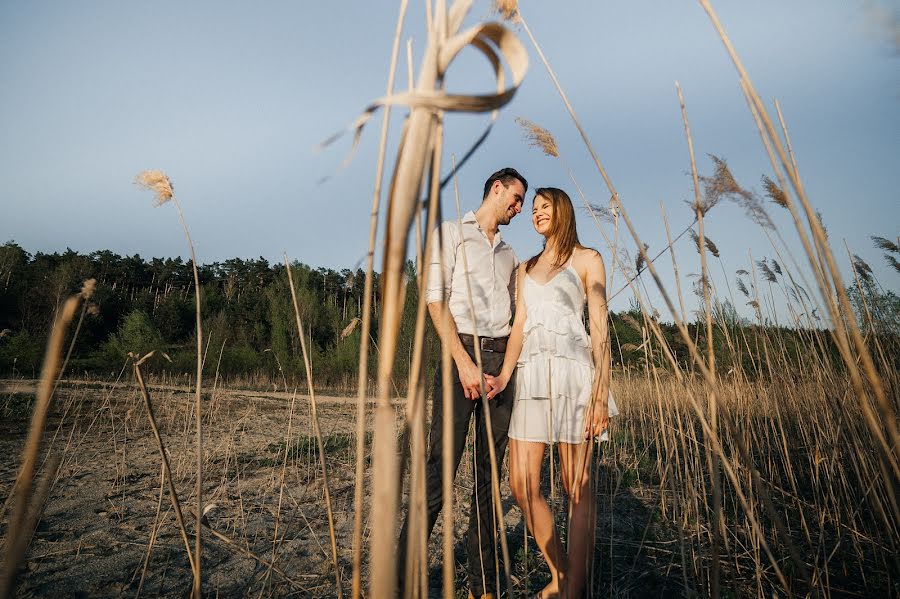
x: 635, y: 555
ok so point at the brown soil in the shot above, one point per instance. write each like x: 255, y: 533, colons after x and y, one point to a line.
x: 96, y: 526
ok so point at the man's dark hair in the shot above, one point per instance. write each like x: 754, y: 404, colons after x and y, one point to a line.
x: 506, y: 176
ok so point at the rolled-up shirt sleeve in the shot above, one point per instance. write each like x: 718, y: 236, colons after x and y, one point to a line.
x: 441, y: 260
x: 512, y: 286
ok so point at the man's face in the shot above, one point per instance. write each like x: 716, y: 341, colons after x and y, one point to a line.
x: 510, y: 201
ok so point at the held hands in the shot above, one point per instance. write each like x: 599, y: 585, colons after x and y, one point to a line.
x: 495, y: 384
x: 470, y: 379
x: 597, y: 421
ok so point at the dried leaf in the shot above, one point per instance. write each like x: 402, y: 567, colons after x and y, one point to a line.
x: 348, y: 330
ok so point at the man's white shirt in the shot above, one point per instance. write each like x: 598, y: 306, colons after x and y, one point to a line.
x: 492, y: 276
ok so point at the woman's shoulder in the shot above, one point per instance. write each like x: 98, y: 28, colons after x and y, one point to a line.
x: 585, y: 256
x: 588, y: 263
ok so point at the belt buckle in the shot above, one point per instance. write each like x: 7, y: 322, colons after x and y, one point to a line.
x: 481, y: 342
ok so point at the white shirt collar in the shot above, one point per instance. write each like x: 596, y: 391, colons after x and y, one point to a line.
x: 469, y: 218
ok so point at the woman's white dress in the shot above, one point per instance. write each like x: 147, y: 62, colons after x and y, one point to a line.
x: 555, y: 372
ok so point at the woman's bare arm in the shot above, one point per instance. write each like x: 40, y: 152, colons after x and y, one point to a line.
x: 514, y: 345
x: 594, y: 277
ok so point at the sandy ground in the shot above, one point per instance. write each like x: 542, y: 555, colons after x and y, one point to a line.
x: 95, y: 532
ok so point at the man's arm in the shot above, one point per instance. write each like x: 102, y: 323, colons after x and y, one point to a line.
x: 469, y: 375
x: 441, y: 262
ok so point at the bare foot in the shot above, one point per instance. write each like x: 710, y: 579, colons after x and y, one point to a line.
x: 551, y: 591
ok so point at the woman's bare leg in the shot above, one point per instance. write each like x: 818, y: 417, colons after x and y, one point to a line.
x: 525, y: 459
x: 575, y: 468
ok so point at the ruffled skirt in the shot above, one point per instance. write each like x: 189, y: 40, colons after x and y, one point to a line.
x: 552, y: 398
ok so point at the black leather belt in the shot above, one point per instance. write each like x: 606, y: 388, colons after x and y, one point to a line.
x: 491, y: 344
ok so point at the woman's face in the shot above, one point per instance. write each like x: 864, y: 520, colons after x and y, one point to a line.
x: 542, y: 215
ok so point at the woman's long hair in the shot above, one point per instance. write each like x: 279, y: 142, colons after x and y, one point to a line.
x: 563, y: 234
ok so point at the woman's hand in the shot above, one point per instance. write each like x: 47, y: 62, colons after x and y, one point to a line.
x: 495, y: 384
x: 597, y: 421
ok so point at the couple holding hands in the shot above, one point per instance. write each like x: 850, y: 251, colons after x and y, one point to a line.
x: 547, y: 379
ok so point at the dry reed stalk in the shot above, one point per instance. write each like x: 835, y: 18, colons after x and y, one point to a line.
x: 713, y: 437
x: 87, y: 291
x: 719, y: 532
x: 629, y: 284
x: 492, y: 453
x: 404, y: 192
x: 444, y: 43
x: 316, y: 428
x: 367, y: 320
x: 160, y: 184
x: 154, y: 529
x: 543, y: 139
x: 416, y: 566
x: 888, y: 413
x: 241, y: 549
x: 38, y: 500
x: 18, y: 535
x: 447, y: 465
x: 164, y: 457
x: 671, y: 249
x: 778, y: 196
x: 212, y: 396
x: 287, y: 453
x: 447, y: 472
x: 867, y: 313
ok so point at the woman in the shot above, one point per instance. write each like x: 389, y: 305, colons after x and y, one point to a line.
x: 562, y: 386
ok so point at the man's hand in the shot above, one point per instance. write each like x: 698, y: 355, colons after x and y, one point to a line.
x: 495, y: 385
x: 469, y: 378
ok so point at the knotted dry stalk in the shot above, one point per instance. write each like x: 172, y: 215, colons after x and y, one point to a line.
x: 316, y: 428
x: 367, y: 323
x: 426, y: 102
x: 164, y: 456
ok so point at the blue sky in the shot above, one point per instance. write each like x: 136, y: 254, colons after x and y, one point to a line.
x: 230, y: 98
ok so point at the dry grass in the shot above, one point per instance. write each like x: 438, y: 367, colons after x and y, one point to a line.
x: 776, y: 477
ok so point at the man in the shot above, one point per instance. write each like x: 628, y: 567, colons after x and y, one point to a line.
x: 491, y: 276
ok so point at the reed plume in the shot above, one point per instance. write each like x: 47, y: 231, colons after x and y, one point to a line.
x: 158, y: 183
x: 538, y: 137
x: 885, y: 244
x: 774, y: 192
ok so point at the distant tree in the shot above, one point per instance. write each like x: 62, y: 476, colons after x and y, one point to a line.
x: 137, y: 334
x: 20, y: 352
x: 726, y: 315
x: 13, y: 259
x: 876, y: 310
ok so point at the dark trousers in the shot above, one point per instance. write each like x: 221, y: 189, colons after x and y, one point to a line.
x: 481, y: 541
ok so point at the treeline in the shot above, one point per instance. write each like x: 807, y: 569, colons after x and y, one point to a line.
x: 250, y: 332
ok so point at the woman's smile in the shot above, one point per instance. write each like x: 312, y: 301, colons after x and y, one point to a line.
x: 542, y: 215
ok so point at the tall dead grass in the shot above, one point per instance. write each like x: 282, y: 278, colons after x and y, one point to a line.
x: 778, y: 476
x: 729, y: 445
